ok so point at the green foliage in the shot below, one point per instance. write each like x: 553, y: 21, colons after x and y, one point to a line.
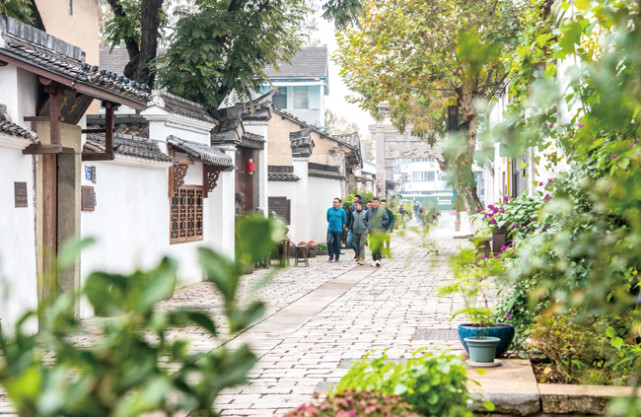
x: 134, y: 364
x: 225, y: 46
x: 18, y: 9
x: 433, y: 384
x: 585, y: 351
x: 350, y: 402
x: 473, y: 280
x: 465, y: 49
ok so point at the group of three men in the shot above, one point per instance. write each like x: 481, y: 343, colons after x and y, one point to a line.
x: 361, y: 222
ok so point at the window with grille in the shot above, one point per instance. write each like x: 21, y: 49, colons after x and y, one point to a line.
x: 301, y: 99
x: 186, y: 223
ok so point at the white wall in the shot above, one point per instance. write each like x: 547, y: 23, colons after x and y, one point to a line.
x: 288, y: 189
x: 18, y: 276
x: 18, y: 279
x: 322, y: 192
x: 131, y: 222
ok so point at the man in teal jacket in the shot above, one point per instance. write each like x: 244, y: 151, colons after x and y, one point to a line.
x: 336, y: 219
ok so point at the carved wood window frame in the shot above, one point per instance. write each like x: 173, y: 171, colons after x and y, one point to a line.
x: 186, y: 214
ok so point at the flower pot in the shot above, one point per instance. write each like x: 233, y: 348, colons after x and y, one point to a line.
x: 499, y: 237
x: 312, y: 250
x: 505, y: 332
x: 482, y: 349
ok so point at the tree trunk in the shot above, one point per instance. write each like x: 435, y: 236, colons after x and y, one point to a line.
x: 35, y: 15
x: 464, y: 184
x: 149, y: 23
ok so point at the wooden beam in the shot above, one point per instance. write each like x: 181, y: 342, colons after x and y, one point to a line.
x: 93, y: 130
x: 50, y: 215
x: 186, y: 161
x: 54, y: 114
x: 39, y: 119
x: 108, y: 154
x: 42, y: 149
x: 98, y: 157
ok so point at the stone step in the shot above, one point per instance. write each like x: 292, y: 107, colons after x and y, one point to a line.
x: 511, y: 387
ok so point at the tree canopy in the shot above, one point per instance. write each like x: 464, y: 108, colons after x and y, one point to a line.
x: 215, y: 47
x: 419, y: 57
x: 216, y: 50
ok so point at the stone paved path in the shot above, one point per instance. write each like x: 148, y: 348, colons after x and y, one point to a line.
x: 323, y: 316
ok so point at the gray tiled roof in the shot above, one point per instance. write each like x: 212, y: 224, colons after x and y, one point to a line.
x: 126, y: 124
x: 35, y: 47
x: 177, y: 105
x: 309, y: 62
x: 206, y: 154
x: 12, y: 129
x: 127, y: 145
x: 281, y: 173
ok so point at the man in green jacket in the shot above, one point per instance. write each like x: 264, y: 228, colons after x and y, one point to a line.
x: 377, y: 222
x: 390, y: 226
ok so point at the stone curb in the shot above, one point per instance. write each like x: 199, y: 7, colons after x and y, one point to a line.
x: 514, y: 391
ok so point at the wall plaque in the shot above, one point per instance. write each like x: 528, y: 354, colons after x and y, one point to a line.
x: 88, y: 198
x: 281, y: 206
x: 20, y: 193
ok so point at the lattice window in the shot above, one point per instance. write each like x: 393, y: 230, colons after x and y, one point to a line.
x: 186, y: 217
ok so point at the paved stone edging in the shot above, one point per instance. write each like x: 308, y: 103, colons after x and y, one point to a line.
x: 513, y: 389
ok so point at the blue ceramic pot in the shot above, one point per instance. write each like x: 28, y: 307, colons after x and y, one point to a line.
x: 505, y: 332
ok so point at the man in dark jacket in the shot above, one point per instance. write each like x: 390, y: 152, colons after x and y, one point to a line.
x: 350, y: 232
x: 376, y: 221
x: 359, y: 230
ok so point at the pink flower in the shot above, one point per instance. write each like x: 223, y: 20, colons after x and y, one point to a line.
x: 303, y: 407
x: 478, y: 210
x: 482, y: 256
x: 551, y: 125
x: 506, y: 199
x: 491, y: 207
x: 545, y: 228
x: 633, y: 144
x: 613, y: 156
x: 504, y: 248
x: 493, y: 220
x: 502, y: 211
x: 509, y: 315
x: 352, y: 413
x: 580, y: 125
x: 541, y: 184
x: 546, y: 197
x: 387, y: 399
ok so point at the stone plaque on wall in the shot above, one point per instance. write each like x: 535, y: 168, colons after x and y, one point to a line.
x: 20, y: 194
x: 281, y: 206
x: 88, y: 199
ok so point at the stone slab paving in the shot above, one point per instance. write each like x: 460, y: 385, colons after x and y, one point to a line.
x: 308, y: 344
x: 323, y: 316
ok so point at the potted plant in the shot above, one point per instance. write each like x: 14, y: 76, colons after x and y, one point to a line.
x: 312, y: 249
x: 322, y: 248
x: 473, y: 271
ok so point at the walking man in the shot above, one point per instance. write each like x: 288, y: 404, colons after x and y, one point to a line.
x: 350, y: 232
x: 376, y: 221
x: 336, y: 219
x: 359, y: 230
x: 390, y: 227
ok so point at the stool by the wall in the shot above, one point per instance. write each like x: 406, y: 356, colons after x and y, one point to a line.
x: 300, y: 254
